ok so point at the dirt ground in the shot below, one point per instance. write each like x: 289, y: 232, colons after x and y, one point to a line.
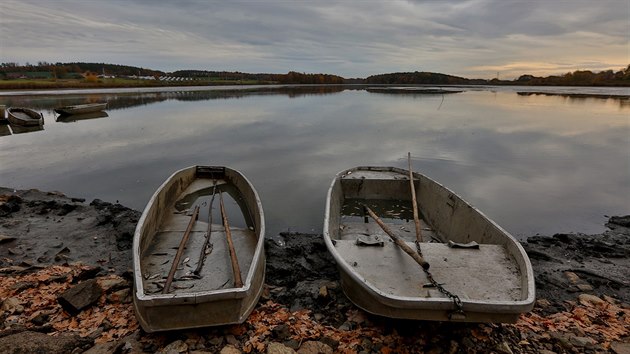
x: 49, y: 243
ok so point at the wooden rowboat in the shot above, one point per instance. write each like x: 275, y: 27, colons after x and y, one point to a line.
x: 180, y: 279
x: 24, y: 116
x: 81, y: 108
x: 484, y: 269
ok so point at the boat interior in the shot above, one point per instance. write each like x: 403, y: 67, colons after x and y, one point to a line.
x: 160, y: 247
x: 473, y: 260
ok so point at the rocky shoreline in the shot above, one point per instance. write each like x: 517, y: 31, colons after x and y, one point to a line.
x: 53, y: 247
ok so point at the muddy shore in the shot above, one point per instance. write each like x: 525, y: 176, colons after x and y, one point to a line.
x: 43, y: 235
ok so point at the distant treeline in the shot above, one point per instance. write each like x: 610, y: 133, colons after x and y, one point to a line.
x: 290, y: 78
x: 420, y: 78
x: 60, y: 70
x: 64, y: 70
x: 576, y: 78
x: 579, y: 78
x: 67, y: 70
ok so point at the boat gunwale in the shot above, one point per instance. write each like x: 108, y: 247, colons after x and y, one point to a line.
x: 200, y: 296
x: 406, y: 302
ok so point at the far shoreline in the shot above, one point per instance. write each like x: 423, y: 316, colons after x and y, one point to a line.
x: 521, y: 90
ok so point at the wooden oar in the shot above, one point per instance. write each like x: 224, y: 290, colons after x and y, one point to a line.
x: 238, y: 282
x: 416, y: 218
x: 180, y: 250
x: 397, y: 240
x: 203, y: 253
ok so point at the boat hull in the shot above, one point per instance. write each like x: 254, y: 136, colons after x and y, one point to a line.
x: 212, y: 299
x: 81, y: 109
x: 494, y: 282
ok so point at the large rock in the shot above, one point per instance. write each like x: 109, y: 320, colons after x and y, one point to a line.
x: 80, y: 296
x: 35, y: 342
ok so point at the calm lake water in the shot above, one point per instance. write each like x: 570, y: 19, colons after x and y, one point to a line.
x: 534, y: 163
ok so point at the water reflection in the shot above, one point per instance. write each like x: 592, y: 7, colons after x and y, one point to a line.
x: 21, y: 129
x: 622, y: 99
x: 123, y: 100
x: 69, y: 118
x: 532, y: 163
x: 4, y: 129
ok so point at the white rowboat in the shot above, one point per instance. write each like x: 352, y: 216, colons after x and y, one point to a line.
x: 209, y: 297
x: 469, y: 255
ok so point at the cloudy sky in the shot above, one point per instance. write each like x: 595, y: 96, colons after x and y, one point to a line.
x: 351, y: 38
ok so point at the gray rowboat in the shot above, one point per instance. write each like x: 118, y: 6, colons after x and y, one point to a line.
x: 81, y: 108
x: 209, y: 297
x: 469, y: 255
x: 20, y: 116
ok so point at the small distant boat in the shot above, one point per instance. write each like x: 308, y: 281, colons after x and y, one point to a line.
x: 468, y: 255
x: 24, y: 116
x: 198, y: 270
x: 81, y: 108
x: 67, y: 118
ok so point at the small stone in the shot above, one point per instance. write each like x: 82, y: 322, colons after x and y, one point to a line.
x: 620, y: 347
x: 230, y: 349
x: 313, y: 347
x: 587, y: 299
x: 4, y: 238
x: 323, y: 292
x: 366, y: 344
x: 115, y: 283
x: 454, y: 347
x: 562, y: 339
x: 218, y: 340
x: 292, y: 343
x: 230, y: 339
x: 345, y: 327
x: 573, y: 278
x: 122, y: 296
x: 175, y: 347
x: 610, y: 300
x: 543, y: 303
x: 503, y: 347
x: 331, y: 342
x: 281, y: 331
x: 585, y: 287
x: 12, y: 305
x: 106, y: 325
x: 23, y: 285
x: 279, y: 348
x: 40, y: 319
x: 266, y: 293
x: 581, y: 341
x: 15, y: 251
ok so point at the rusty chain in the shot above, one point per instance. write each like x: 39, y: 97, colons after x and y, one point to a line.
x: 457, y: 302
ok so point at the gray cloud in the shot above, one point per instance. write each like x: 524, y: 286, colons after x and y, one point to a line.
x: 475, y: 38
